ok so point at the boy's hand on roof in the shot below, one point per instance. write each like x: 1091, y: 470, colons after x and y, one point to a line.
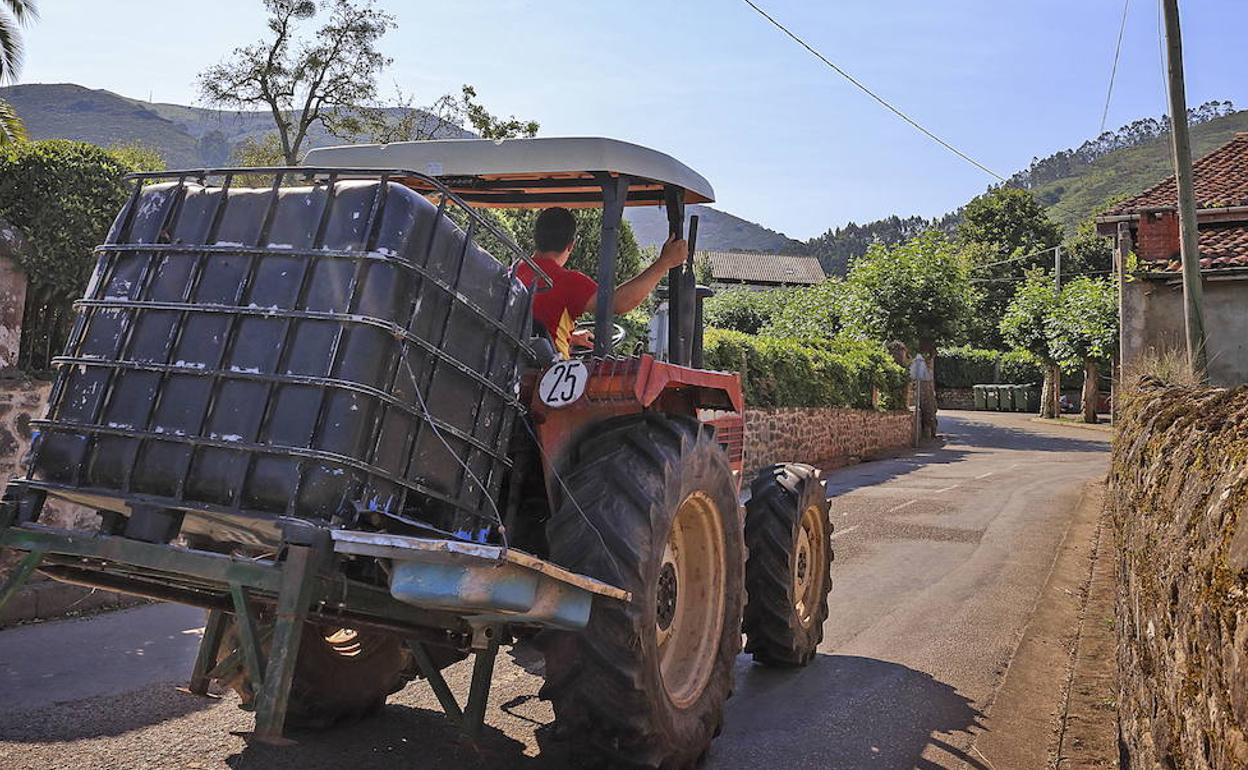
x: 674, y: 253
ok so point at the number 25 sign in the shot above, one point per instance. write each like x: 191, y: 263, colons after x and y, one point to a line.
x: 563, y: 383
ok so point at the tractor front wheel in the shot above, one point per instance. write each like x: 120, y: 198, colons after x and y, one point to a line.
x: 650, y: 507
x: 788, y: 575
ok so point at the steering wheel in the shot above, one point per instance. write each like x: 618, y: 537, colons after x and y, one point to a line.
x: 617, y: 335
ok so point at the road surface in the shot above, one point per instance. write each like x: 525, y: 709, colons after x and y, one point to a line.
x: 940, y: 561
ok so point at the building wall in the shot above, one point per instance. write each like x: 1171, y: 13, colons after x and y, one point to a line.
x: 822, y: 435
x: 1152, y: 320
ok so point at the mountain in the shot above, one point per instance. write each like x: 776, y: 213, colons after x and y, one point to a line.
x: 191, y: 137
x: 717, y: 231
x: 185, y: 136
x: 1081, y: 188
x: 1073, y: 184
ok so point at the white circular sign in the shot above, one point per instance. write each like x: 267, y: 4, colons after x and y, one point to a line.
x: 563, y: 383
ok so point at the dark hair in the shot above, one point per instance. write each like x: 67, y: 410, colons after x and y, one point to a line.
x: 555, y: 229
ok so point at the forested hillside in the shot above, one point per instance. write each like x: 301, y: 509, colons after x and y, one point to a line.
x: 1072, y: 184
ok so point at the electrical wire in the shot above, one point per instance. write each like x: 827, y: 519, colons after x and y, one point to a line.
x: 1113, y: 71
x: 861, y: 87
x: 914, y: 123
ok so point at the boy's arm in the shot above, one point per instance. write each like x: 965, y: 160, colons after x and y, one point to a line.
x: 634, y: 291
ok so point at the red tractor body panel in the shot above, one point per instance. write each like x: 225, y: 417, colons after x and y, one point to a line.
x: 622, y: 386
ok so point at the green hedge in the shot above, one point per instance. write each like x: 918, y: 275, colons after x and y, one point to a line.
x: 744, y: 310
x: 1018, y: 367
x: 965, y: 366
x: 789, y: 372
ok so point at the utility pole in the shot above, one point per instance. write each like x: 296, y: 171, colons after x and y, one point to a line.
x: 1189, y: 245
x: 1055, y: 371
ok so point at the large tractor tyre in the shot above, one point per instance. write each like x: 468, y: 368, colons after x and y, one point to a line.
x: 341, y: 675
x: 651, y: 507
x: 789, y: 571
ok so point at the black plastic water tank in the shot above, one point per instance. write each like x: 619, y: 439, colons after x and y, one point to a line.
x: 333, y: 351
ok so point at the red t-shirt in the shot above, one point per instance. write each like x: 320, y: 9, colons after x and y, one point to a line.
x: 559, y: 306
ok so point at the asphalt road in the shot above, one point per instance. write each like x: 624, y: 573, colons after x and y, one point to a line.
x: 940, y: 560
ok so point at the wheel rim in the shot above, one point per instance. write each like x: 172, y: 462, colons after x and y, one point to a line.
x: 343, y: 641
x: 808, y: 565
x: 689, y: 600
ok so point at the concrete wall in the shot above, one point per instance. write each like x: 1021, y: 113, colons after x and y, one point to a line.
x: 1152, y: 319
x: 1178, y: 498
x: 822, y: 435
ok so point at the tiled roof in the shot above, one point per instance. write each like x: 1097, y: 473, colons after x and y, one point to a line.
x: 1221, y: 248
x: 1221, y: 181
x: 748, y: 267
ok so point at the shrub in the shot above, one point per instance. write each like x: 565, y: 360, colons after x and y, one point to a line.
x: 810, y: 312
x: 63, y: 196
x: 965, y: 366
x: 791, y: 372
x: 743, y: 310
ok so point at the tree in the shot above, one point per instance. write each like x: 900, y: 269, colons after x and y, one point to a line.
x: 1011, y: 219
x: 1005, y: 232
x: 1024, y: 327
x: 257, y: 152
x: 13, y: 14
x: 138, y: 156
x: 304, y: 81
x: 1083, y: 333
x: 451, y: 116
x: 918, y: 292
x: 1086, y: 253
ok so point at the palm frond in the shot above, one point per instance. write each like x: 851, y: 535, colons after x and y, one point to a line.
x: 12, y: 129
x: 10, y: 46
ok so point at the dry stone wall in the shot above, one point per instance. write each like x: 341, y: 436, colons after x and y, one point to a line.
x: 1179, y: 502
x: 822, y: 435
x: 21, y: 401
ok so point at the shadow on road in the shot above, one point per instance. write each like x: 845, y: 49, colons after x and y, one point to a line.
x: 844, y: 712
x: 982, y: 434
x: 400, y: 737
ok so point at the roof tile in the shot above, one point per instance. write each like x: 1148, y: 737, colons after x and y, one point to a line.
x: 1221, y: 179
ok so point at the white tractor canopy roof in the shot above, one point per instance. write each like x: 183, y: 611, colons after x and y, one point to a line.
x: 526, y: 173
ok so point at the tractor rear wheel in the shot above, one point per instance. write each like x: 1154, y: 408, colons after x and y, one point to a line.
x: 789, y: 572
x: 652, y: 508
x: 341, y: 675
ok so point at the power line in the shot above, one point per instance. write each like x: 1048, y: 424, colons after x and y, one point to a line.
x: 859, y: 85
x: 1113, y: 72
x: 1017, y: 259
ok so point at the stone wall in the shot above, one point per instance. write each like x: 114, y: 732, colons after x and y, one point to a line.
x: 822, y: 435
x: 22, y: 400
x: 1179, y: 502
x: 12, y: 295
x: 955, y: 398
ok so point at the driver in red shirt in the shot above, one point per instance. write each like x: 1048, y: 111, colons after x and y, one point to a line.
x: 574, y: 293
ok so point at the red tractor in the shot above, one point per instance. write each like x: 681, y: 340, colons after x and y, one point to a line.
x: 317, y: 408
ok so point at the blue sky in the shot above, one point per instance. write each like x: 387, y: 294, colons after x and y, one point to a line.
x: 784, y: 140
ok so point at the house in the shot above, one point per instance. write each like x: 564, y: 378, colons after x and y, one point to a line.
x: 733, y: 269
x: 1146, y: 230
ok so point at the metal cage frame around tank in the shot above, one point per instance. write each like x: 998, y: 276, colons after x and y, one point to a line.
x: 478, y: 505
